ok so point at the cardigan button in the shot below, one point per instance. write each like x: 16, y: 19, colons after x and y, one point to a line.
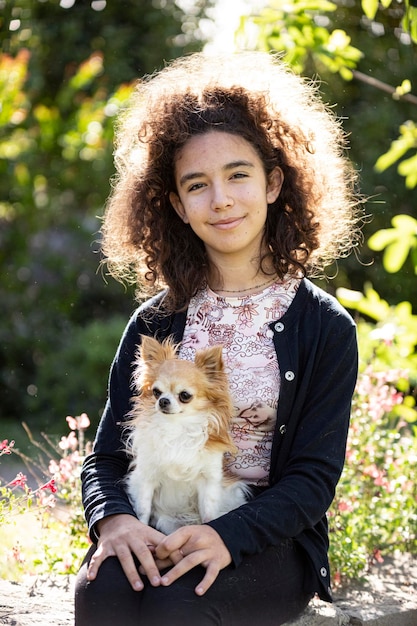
x: 323, y: 572
x: 279, y: 327
x: 282, y: 429
x: 289, y: 375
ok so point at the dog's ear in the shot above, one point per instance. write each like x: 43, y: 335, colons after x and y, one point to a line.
x: 210, y: 360
x: 152, y: 350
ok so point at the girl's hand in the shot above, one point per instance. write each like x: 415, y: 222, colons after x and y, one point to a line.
x: 123, y: 536
x: 197, y: 545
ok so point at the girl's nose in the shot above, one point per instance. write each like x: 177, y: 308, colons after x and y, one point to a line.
x: 221, y: 199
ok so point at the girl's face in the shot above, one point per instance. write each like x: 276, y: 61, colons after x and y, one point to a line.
x: 223, y: 194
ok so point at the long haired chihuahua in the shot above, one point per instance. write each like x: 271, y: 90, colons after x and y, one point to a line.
x: 179, y: 434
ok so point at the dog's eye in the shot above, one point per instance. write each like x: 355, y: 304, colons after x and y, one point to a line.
x: 185, y: 397
x: 157, y: 392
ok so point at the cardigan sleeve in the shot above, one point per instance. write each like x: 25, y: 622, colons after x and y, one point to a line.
x: 103, y: 470
x: 312, y: 426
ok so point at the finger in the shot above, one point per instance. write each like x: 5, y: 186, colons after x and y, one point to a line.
x: 172, y: 559
x: 183, y: 566
x: 172, y: 543
x: 160, y: 564
x: 176, y: 556
x: 210, y: 576
x: 130, y: 570
x: 96, y: 560
x: 148, y: 565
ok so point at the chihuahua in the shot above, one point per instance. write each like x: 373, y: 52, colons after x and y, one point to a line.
x: 179, y: 435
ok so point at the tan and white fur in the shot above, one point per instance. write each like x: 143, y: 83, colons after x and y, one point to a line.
x: 180, y: 432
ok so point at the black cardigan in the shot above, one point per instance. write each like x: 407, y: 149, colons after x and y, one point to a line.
x: 316, y: 349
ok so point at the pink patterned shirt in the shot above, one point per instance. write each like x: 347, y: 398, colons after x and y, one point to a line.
x: 241, y: 325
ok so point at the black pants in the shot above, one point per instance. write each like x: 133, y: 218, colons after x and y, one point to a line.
x: 266, y: 589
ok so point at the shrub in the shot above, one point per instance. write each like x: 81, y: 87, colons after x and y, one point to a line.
x: 52, y: 532
x: 374, y: 511
x: 73, y: 376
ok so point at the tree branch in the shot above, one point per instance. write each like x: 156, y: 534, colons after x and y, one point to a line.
x: 374, y: 82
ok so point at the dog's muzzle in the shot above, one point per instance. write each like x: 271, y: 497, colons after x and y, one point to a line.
x: 164, y: 404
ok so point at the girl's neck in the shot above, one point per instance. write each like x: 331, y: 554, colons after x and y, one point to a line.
x: 236, y: 281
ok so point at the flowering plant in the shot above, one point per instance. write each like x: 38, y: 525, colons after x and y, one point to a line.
x: 374, y: 511
x: 52, y: 511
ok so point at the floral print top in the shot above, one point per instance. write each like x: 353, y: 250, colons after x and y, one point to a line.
x: 241, y: 325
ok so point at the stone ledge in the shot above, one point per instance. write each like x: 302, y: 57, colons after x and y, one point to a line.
x: 387, y: 598
x: 37, y: 602
x: 322, y: 614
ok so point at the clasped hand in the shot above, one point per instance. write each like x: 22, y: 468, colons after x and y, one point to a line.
x: 124, y: 536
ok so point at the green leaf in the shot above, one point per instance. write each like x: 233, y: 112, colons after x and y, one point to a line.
x: 409, y: 22
x: 414, y: 258
x: 369, y: 304
x: 87, y: 72
x: 370, y: 7
x: 408, y: 169
x: 404, y: 88
x: 397, y: 241
x: 407, y: 413
x: 405, y: 223
x: 395, y: 255
x: 382, y: 238
x: 397, y: 149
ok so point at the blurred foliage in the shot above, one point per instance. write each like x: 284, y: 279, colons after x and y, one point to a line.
x: 66, y: 69
x: 294, y: 29
x: 387, y: 333
x: 399, y: 148
x: 374, y: 510
x: 374, y: 513
x: 398, y: 242
x: 363, y: 55
x: 82, y: 375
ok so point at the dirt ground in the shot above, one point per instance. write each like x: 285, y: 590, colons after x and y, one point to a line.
x: 388, y: 598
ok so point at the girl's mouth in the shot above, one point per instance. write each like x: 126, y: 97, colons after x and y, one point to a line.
x: 228, y: 224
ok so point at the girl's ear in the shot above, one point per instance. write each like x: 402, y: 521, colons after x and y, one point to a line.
x: 178, y: 206
x: 273, y: 188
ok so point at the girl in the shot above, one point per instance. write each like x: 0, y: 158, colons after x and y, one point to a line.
x: 232, y: 188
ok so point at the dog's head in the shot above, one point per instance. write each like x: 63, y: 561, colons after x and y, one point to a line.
x: 183, y: 389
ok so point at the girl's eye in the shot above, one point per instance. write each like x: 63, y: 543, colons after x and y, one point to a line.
x: 157, y: 392
x: 196, y: 186
x: 240, y: 175
x: 185, y: 397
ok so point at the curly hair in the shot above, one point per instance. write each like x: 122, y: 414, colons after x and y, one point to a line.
x: 252, y: 95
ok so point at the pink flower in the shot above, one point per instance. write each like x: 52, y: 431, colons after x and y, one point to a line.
x: 344, y: 506
x: 16, y: 554
x: 372, y: 471
x: 6, y: 447
x: 81, y: 422
x: 49, y: 485
x: 19, y: 481
x: 66, y: 469
x: 46, y: 500
x: 70, y: 442
x: 53, y: 467
x: 377, y: 555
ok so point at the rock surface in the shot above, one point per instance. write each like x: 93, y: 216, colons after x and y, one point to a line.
x: 387, y: 598
x: 37, y: 602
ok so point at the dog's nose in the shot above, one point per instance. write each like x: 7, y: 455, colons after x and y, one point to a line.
x: 164, y: 403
